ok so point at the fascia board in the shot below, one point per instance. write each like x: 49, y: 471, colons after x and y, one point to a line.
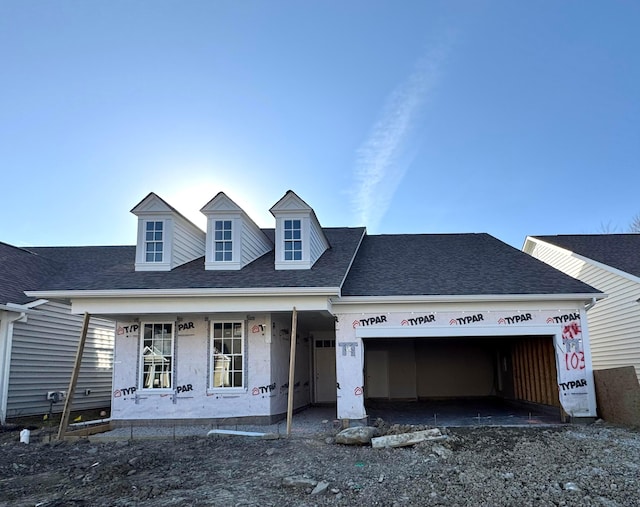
x: 26, y: 307
x: 14, y: 308
x: 200, y: 305
x: 190, y: 293
x: 356, y: 300
x: 588, y: 260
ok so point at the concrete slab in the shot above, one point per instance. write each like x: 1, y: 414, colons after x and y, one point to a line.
x: 461, y: 412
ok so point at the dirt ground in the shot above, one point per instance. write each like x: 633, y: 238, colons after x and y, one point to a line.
x: 594, y: 465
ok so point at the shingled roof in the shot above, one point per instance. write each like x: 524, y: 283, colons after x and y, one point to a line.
x: 385, y: 265
x: 620, y: 251
x: 20, y: 269
x: 113, y: 268
x: 451, y: 264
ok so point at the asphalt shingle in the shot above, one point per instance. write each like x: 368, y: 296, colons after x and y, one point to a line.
x: 385, y: 265
x: 451, y: 264
x: 620, y: 251
x: 112, y: 268
x: 19, y: 269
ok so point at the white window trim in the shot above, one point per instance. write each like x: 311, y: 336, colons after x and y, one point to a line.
x: 214, y: 240
x: 141, y: 256
x: 141, y: 379
x: 292, y: 240
x: 210, y: 365
x: 236, y: 238
x: 160, y: 225
x: 305, y: 262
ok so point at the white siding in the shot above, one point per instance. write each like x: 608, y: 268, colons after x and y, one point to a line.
x: 188, y: 242
x: 317, y: 242
x: 614, y: 322
x: 253, y: 244
x: 42, y: 358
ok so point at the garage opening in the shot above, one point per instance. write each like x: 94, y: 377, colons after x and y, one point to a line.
x: 496, y: 380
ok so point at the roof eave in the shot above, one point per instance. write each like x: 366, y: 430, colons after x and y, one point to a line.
x: 466, y: 298
x: 177, y: 293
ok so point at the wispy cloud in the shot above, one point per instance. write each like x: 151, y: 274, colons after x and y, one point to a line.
x: 382, y: 160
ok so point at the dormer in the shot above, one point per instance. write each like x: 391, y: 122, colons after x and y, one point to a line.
x: 299, y: 238
x: 233, y: 239
x: 166, y: 239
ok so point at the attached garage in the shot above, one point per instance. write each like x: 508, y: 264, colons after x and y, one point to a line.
x: 461, y: 317
x: 535, y: 356
x: 518, y: 368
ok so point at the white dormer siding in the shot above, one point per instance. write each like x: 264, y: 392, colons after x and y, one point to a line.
x: 233, y: 239
x: 166, y: 239
x: 299, y: 238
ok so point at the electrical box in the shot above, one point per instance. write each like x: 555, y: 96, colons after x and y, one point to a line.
x: 56, y: 396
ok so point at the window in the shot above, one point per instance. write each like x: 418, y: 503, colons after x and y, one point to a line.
x: 292, y: 240
x: 227, y: 350
x: 157, y: 356
x: 153, y: 241
x: 222, y: 244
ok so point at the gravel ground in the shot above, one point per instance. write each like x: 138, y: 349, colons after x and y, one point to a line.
x: 594, y: 465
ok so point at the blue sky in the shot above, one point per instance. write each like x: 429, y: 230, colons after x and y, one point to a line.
x: 506, y: 117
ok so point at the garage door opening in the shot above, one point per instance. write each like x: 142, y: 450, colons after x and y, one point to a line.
x: 466, y: 380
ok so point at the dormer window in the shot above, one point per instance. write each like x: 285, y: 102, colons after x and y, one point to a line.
x: 299, y: 238
x: 233, y: 239
x: 223, y: 242
x: 292, y: 240
x: 154, y: 241
x: 166, y: 239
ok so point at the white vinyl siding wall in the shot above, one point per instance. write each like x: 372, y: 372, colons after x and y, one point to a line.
x: 42, y: 359
x: 614, y: 322
x: 188, y: 242
x: 253, y: 244
x: 317, y: 243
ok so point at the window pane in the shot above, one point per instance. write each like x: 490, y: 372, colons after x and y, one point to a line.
x: 227, y: 359
x: 296, y: 224
x: 150, y: 226
x: 287, y: 224
x: 297, y: 256
x: 158, y: 226
x: 157, y: 356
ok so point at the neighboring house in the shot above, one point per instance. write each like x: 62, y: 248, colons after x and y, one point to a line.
x: 610, y: 263
x: 39, y: 339
x: 205, y: 319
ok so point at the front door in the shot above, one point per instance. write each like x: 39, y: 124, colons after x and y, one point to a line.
x: 325, y: 368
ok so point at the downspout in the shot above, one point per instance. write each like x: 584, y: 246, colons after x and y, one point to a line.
x: 6, y: 338
x: 588, y: 306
